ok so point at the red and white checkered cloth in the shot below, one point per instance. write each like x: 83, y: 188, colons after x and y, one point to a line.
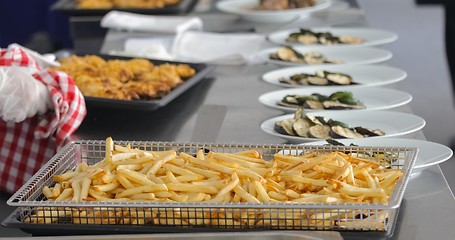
x: 26, y: 146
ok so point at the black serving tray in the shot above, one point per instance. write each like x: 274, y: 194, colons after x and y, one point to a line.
x: 68, y: 7
x: 12, y: 221
x: 201, y: 71
x: 53, y: 229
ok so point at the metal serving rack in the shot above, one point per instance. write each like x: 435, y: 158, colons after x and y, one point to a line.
x: 194, y: 216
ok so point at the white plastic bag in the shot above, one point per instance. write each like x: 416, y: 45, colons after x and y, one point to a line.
x: 21, y: 95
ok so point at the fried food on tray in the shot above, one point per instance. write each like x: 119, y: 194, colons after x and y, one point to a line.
x: 133, y: 79
x: 95, y: 4
x: 138, y: 3
x: 87, y: 4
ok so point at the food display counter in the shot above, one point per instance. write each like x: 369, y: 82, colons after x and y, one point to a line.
x: 224, y: 108
x: 428, y: 205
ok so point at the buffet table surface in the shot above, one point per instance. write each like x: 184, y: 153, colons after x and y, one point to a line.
x: 427, y: 210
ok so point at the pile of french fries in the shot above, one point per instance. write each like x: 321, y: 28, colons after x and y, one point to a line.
x: 128, y: 175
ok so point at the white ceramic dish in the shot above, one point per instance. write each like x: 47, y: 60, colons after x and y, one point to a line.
x: 336, y: 6
x: 392, y: 123
x: 364, y: 75
x: 372, y: 98
x: 430, y: 153
x: 371, y: 36
x: 348, y: 55
x: 248, y: 10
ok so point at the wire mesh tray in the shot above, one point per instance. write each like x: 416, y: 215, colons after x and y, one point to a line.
x: 205, y: 216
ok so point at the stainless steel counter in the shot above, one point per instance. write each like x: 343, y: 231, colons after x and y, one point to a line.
x: 428, y: 209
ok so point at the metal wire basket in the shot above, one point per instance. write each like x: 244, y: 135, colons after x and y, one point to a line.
x: 222, y: 216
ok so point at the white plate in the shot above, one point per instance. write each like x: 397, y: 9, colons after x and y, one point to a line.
x: 372, y: 98
x: 392, y: 123
x: 430, y: 153
x: 348, y: 55
x: 364, y: 75
x: 247, y: 9
x: 337, y: 5
x: 371, y: 36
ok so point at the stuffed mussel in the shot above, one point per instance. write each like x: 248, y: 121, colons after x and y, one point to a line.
x: 308, y: 37
x: 320, y: 78
x: 341, y: 100
x: 310, y: 126
x: 288, y: 54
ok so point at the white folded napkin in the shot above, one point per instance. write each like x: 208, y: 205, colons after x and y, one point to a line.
x: 157, y: 48
x: 218, y: 48
x: 149, y: 23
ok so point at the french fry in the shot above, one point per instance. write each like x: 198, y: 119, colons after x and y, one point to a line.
x: 108, y: 177
x: 99, y: 196
x: 142, y: 189
x: 85, y: 186
x: 196, y: 197
x: 56, y: 190
x: 159, y: 161
x: 142, y: 196
x: 106, y: 187
x: 232, y: 158
x: 109, y: 149
x: 180, y: 171
x: 65, y: 194
x: 211, y: 165
x: 189, y: 178
x: 124, y: 181
x: 135, y: 177
x: 186, y: 187
x: 204, y: 172
x: 129, y: 161
x: 300, y: 179
x: 76, y: 186
x: 291, y: 193
x: 119, y: 157
x: 252, y: 155
x: 277, y: 196
x: 179, y: 197
x: 65, y: 176
x: 48, y: 192
x: 220, y: 196
x: 170, y: 178
x: 262, y: 193
x: 245, y: 195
